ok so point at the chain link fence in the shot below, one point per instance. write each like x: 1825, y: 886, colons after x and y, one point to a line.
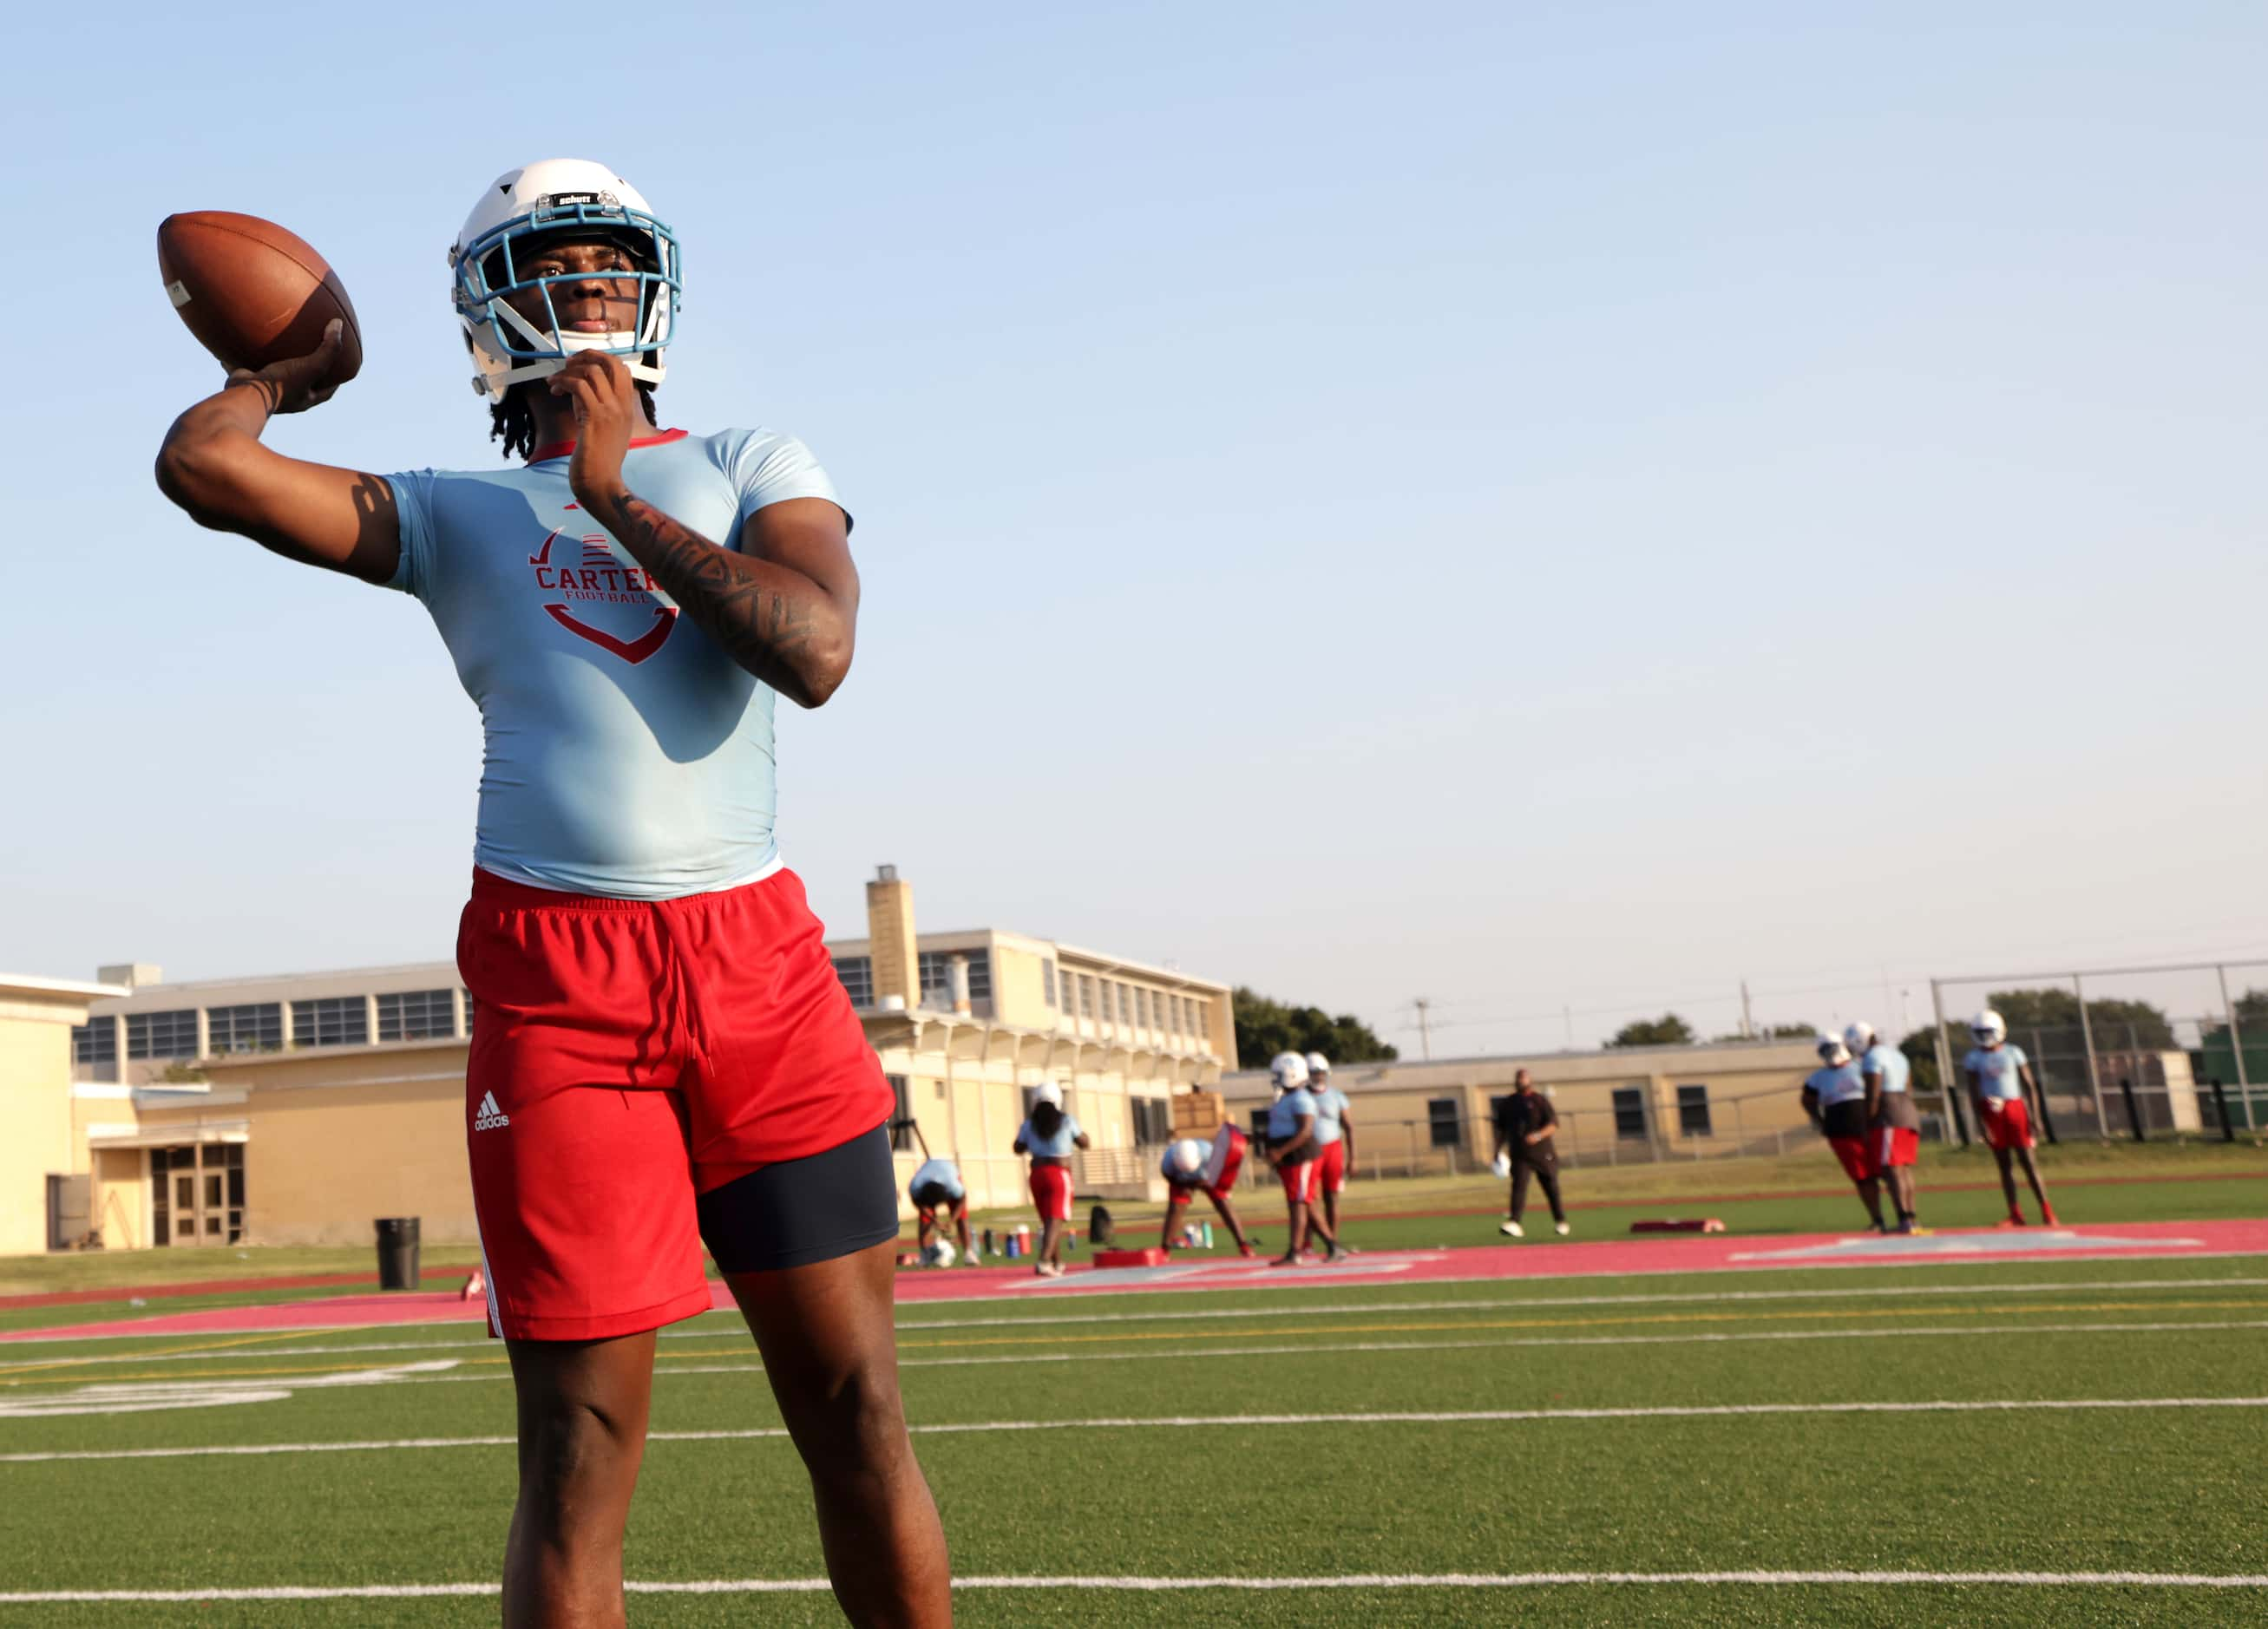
x: 2119, y: 1052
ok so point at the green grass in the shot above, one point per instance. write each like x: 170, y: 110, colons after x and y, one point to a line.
x: 2159, y: 1491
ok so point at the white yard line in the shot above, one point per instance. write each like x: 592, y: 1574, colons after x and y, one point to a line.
x: 130, y: 1331
x: 1107, y: 1581
x: 1050, y: 1320
x: 1484, y: 1416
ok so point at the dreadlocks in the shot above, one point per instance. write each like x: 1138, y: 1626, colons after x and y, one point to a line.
x: 513, y: 422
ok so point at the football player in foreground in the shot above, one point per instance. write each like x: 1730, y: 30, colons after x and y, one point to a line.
x: 1191, y: 1168
x: 662, y: 1054
x: 1999, y: 1076
x: 1835, y: 1096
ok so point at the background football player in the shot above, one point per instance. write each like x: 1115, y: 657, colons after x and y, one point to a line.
x: 1893, y: 1125
x: 1835, y: 1096
x: 1999, y: 1076
x: 1191, y: 1168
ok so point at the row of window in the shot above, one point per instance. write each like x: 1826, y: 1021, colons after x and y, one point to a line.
x: 259, y: 1026
x: 1445, y: 1116
x: 1134, y: 1005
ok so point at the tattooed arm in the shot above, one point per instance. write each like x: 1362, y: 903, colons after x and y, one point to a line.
x: 785, y: 606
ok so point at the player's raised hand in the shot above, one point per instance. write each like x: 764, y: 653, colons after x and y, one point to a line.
x: 298, y: 383
x: 607, y: 414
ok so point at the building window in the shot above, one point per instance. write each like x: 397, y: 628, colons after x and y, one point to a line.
x: 95, y: 1042
x: 1048, y: 979
x: 256, y: 1027
x: 857, y: 973
x: 1693, y: 1112
x: 1629, y: 1113
x: 162, y: 1034
x: 1141, y: 1008
x: 1172, y: 1015
x: 1198, y: 1021
x: 1126, y: 1005
x: 902, y: 1120
x: 1445, y: 1122
x: 413, y: 1015
x: 1153, y: 1122
x: 331, y: 1021
x: 1086, y: 995
x: 937, y: 979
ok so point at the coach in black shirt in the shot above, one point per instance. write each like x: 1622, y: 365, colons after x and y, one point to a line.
x: 1526, y: 1129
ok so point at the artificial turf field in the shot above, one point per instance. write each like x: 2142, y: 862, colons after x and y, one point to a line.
x: 2162, y: 1480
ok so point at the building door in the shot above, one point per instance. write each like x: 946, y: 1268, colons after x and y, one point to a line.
x: 197, y: 1195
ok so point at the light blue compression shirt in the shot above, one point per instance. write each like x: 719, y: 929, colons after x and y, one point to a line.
x: 626, y: 754
x: 1997, y: 1070
x: 941, y: 1173
x: 1889, y: 1062
x: 1059, y: 1146
x: 1285, y: 1113
x: 1330, y: 1103
x: 1838, y: 1082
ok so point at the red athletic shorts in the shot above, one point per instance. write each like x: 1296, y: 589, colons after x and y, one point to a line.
x: 1229, y: 1168
x: 1301, y: 1182
x: 1333, y: 1160
x: 2011, y: 1127
x: 628, y: 1057
x: 1858, y: 1163
x: 1893, y: 1145
x: 1051, y: 1192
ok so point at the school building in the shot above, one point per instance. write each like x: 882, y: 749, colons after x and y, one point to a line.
x: 1634, y: 1103
x: 299, y: 1108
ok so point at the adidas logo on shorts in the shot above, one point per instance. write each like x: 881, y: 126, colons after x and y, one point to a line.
x: 490, y: 1118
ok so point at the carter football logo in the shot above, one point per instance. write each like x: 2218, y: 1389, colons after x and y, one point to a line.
x: 601, y: 577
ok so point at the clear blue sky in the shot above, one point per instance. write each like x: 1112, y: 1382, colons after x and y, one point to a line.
x: 1535, y: 506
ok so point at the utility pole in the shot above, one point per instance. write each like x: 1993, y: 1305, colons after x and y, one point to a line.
x: 1425, y: 1027
x: 1747, y: 1025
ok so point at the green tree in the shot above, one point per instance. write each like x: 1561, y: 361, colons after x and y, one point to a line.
x: 1668, y: 1030
x: 2113, y: 1021
x: 1266, y: 1026
x: 1920, y: 1049
x: 1773, y: 1032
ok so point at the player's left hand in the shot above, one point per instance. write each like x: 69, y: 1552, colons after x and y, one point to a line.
x: 607, y: 413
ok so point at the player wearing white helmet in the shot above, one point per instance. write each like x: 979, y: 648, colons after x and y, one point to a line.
x: 937, y: 1186
x: 1335, y: 1135
x: 1292, y: 1150
x: 1835, y: 1096
x: 1191, y: 1168
x: 1893, y: 1126
x: 664, y: 1057
x: 1999, y: 1076
x: 1049, y: 1134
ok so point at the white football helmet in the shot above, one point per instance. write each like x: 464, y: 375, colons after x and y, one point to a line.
x: 1187, y: 1157
x: 1832, y: 1052
x: 1047, y: 1091
x: 1859, y: 1037
x: 1989, y: 1027
x: 1289, y: 1071
x: 1319, y: 1067
x: 555, y: 194
x: 940, y: 1253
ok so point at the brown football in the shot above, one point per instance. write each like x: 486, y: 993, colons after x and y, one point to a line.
x: 252, y: 292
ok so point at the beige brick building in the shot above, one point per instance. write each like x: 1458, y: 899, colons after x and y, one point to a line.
x: 299, y: 1108
x: 1619, y: 1103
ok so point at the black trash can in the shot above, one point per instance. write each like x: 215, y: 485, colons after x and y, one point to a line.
x: 397, y: 1252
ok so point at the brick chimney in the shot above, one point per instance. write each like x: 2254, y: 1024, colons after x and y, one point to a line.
x: 890, y: 930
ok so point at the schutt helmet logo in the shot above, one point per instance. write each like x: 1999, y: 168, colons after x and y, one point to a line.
x: 602, y: 578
